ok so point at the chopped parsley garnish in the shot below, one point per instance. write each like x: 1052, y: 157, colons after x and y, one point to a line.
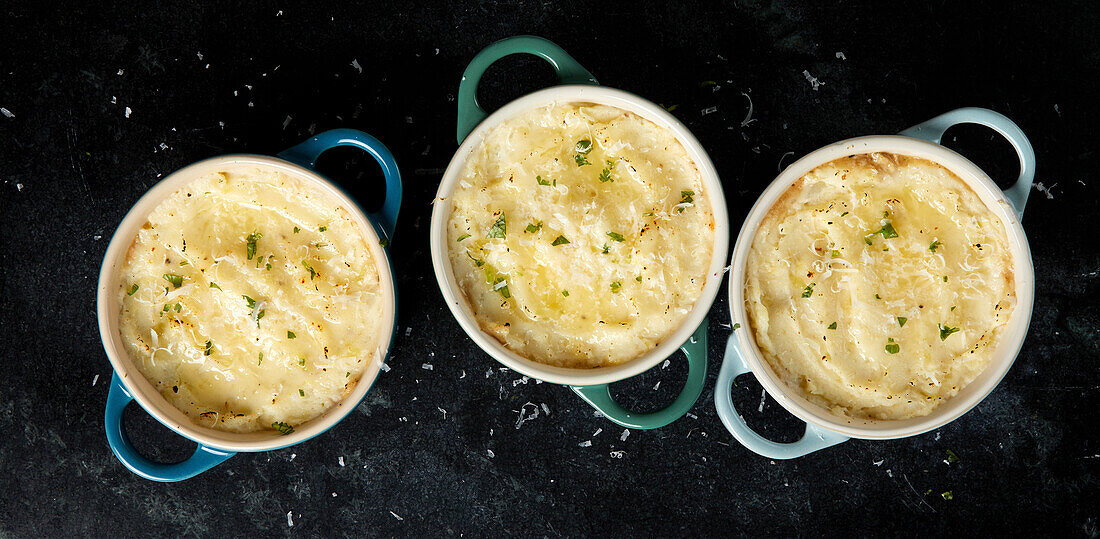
x: 282, y: 427
x: 616, y: 236
x: 902, y: 320
x: 581, y: 160
x: 312, y: 273
x: 832, y: 326
x: 477, y: 262
x: 184, y: 263
x: 166, y: 307
x: 638, y: 278
x: 951, y: 456
x: 934, y: 245
x: 178, y: 307
x: 736, y: 327
x: 560, y: 240
x: 462, y: 237
x: 541, y: 181
x: 615, y: 286
x: 261, y: 360
x: 835, y: 252
x: 176, y: 280
x: 686, y: 197
x: 384, y: 242
x: 301, y: 393
x: 565, y: 293
x: 945, y: 278
x: 878, y: 296
x: 582, y: 148
x: 322, y: 228
x: 290, y: 334
x: 843, y: 214
x: 296, y: 230
x: 606, y: 248
x: 209, y: 348
x: 534, y: 227
x: 499, y: 228
x: 946, y: 331
x: 260, y: 315
x: 320, y: 245
x: 132, y: 290
x: 501, y: 285
x: 808, y: 291
x: 251, y: 302
x: 250, y: 244
x: 888, y: 231
x: 302, y: 361
x: 215, y: 285
x: 949, y: 495
x: 605, y: 174
x: 892, y: 347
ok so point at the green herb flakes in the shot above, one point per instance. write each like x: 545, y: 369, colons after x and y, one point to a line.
x: 184, y: 263
x: 250, y: 244
x: 565, y: 293
x: 251, y: 302
x: 560, y: 240
x: 843, y: 214
x: 892, y: 347
x: 934, y: 245
x: 209, y: 348
x: 261, y: 360
x: 260, y: 316
x: 736, y: 326
x: 534, y: 227
x: 606, y: 248
x: 540, y: 181
x: 582, y: 148
x: 384, y: 242
x: 132, y: 290
x: 949, y: 495
x: 835, y: 253
x: 302, y: 361
x: 832, y: 326
x: 615, y: 286
x: 462, y: 237
x: 297, y: 230
x: 605, y: 174
x: 888, y: 231
x: 945, y: 278
x: 312, y: 273
x: 946, y: 331
x: 902, y: 320
x: 290, y: 334
x: 808, y: 291
x: 215, y: 285
x: 301, y: 393
x: 282, y: 427
x: 638, y: 278
x: 322, y: 228
x: 499, y: 228
x: 616, y: 236
x: 952, y: 457
x: 176, y: 280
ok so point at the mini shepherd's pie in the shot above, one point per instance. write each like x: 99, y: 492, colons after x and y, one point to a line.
x: 250, y: 301
x: 580, y: 234
x: 879, y: 285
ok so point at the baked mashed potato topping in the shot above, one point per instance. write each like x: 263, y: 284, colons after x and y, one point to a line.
x: 250, y: 301
x: 879, y: 285
x: 580, y: 234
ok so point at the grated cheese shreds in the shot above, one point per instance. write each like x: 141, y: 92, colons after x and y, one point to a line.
x: 204, y: 356
x: 854, y: 246
x: 593, y: 264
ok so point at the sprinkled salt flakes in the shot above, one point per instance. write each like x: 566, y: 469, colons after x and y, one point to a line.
x: 355, y: 64
x: 6, y: 112
x: 586, y: 443
x: 626, y: 433
x: 341, y: 461
x: 290, y: 519
x: 427, y: 366
x: 395, y: 515
x: 812, y: 79
x: 127, y: 112
x: 94, y: 380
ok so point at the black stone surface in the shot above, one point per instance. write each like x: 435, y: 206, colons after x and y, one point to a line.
x: 204, y: 80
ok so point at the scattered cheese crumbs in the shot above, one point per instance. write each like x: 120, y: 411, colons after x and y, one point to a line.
x: 340, y: 460
x: 408, y: 330
x: 355, y: 64
x: 395, y: 515
x: 385, y: 368
x: 691, y: 415
x: 427, y: 366
x: 523, y: 417
x: 878, y: 462
x: 120, y: 71
x: 626, y: 432
x: 748, y: 117
x: 657, y: 385
x: 6, y: 112
x: 666, y: 364
x: 763, y: 397
x: 597, y: 433
x: 1048, y: 191
x: 199, y: 54
x: 840, y: 56
x: 812, y: 79
x: 442, y: 410
x: 545, y: 408
x: 292, y: 455
x: 19, y: 187
x: 127, y: 112
x: 491, y: 454
x: 94, y: 380
x: 586, y: 443
x: 616, y: 454
x: 286, y: 122
x: 333, y: 494
x: 290, y: 519
x: 709, y: 110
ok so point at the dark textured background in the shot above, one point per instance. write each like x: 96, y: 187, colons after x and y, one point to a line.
x: 261, y: 76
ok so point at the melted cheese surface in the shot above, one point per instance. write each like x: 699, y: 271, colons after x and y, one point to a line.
x: 897, y: 252
x: 251, y: 339
x: 580, y: 234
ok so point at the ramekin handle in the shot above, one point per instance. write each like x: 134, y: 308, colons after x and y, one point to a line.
x: 932, y: 130
x: 470, y: 113
x: 695, y: 350
x: 307, y: 152
x: 734, y: 365
x: 203, y: 459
